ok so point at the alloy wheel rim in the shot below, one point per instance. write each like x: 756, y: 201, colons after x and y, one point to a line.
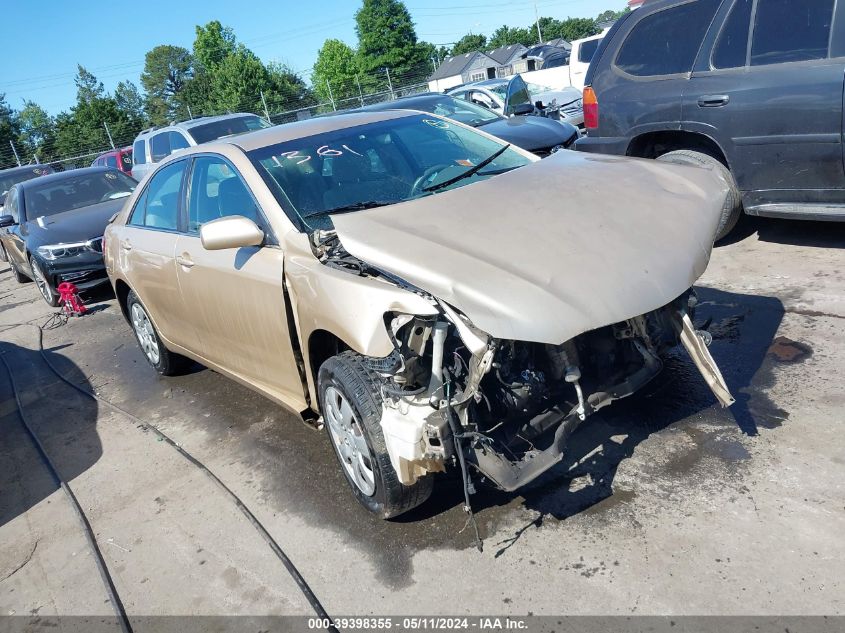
x: 349, y: 441
x: 41, y: 282
x: 145, y: 333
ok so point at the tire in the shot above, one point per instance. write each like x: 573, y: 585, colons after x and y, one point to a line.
x: 162, y: 359
x: 345, y: 376
x: 44, y: 290
x: 732, y: 208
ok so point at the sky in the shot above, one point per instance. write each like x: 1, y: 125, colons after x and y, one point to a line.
x: 50, y: 37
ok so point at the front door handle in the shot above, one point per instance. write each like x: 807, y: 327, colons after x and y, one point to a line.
x: 713, y: 101
x: 125, y: 245
x: 184, y: 260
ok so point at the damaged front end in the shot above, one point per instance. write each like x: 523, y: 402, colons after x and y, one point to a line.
x: 510, y: 406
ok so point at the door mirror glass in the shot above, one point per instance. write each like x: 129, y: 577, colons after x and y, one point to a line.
x: 6, y: 220
x: 234, y: 231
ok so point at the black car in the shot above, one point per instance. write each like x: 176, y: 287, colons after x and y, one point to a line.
x: 11, y: 177
x: 52, y: 227
x: 750, y: 88
x: 539, y: 135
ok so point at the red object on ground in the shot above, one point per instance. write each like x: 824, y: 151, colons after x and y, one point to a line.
x: 69, y: 299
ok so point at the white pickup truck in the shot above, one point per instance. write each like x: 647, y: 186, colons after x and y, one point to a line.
x: 573, y: 74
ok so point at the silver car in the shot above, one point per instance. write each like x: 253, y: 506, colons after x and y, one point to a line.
x: 153, y: 145
x: 506, y: 96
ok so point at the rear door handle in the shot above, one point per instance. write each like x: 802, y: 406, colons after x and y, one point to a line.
x: 713, y: 101
x: 184, y: 260
x: 126, y: 246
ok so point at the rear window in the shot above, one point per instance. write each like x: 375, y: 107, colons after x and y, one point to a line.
x: 126, y: 159
x: 588, y: 49
x: 160, y: 146
x: 227, y: 127
x: 667, y: 42
x: 732, y: 45
x: 139, y: 152
x: 74, y: 192
x: 790, y: 31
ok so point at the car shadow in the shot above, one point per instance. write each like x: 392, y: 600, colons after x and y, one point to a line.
x: 64, y: 421
x: 794, y: 232
x: 744, y: 328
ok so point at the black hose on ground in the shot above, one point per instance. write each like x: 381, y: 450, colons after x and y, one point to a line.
x: 274, y: 546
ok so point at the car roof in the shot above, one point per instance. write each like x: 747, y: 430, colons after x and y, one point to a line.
x: 191, y: 123
x: 488, y: 82
x: 301, y: 129
x: 404, y: 103
x: 62, y: 175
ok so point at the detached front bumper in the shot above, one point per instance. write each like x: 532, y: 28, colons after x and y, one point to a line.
x: 84, y: 271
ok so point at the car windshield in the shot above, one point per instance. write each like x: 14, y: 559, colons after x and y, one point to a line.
x: 537, y: 88
x: 75, y: 192
x: 227, y: 127
x: 7, y: 182
x: 378, y: 164
x: 499, y: 89
x: 457, y: 109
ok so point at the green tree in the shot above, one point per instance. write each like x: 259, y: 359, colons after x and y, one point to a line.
x: 506, y: 35
x: 336, y: 66
x: 167, y: 70
x: 432, y: 52
x: 288, y: 91
x: 9, y: 130
x: 387, y: 40
x: 611, y: 15
x: 130, y: 102
x: 88, y: 87
x: 36, y: 130
x: 213, y: 44
x: 237, y: 82
x: 469, y: 43
x: 577, y: 28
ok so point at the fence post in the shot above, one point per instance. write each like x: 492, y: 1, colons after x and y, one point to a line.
x: 264, y: 101
x: 190, y: 114
x: 106, y: 125
x: 360, y: 92
x: 331, y: 98
x: 15, y: 152
x: 390, y: 84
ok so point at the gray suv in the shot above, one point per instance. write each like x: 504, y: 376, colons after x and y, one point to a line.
x: 751, y: 88
x: 156, y: 143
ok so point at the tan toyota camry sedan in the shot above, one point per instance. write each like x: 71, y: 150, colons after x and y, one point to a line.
x: 433, y: 296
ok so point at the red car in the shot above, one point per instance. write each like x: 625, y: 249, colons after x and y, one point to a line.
x: 117, y: 158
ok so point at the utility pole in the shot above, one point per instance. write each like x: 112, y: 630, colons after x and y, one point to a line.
x: 360, y: 92
x: 390, y: 84
x: 106, y: 125
x: 15, y: 152
x: 331, y: 98
x: 264, y: 101
x: 537, y: 22
x: 434, y: 63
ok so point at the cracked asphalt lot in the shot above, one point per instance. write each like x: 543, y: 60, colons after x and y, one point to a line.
x: 666, y: 504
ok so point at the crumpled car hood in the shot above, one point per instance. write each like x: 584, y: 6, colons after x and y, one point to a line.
x: 553, y: 249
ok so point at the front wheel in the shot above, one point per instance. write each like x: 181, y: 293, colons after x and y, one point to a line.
x: 351, y: 403
x: 44, y: 287
x: 732, y: 208
x: 162, y: 359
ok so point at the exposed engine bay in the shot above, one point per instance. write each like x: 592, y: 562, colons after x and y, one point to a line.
x: 504, y: 409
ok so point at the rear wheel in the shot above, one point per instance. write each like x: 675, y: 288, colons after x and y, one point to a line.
x: 351, y: 402
x: 732, y: 208
x: 44, y: 288
x: 162, y: 359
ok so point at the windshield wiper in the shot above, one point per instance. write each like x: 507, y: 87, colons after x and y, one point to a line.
x: 469, y: 172
x: 355, y: 206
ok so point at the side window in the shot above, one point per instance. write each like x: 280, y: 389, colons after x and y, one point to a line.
x: 587, y: 50
x: 111, y: 161
x: 790, y: 31
x: 11, y: 205
x: 160, y: 146
x: 732, y: 44
x: 139, y: 152
x: 217, y: 191
x: 177, y: 141
x: 158, y: 206
x: 667, y: 42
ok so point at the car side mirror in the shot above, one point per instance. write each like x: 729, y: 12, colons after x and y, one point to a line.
x: 523, y: 109
x: 7, y: 220
x: 234, y: 231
